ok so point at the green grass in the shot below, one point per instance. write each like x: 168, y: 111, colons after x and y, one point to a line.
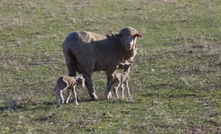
x: 175, y: 80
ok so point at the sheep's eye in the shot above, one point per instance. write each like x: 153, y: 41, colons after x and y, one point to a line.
x: 130, y: 37
x: 133, y: 37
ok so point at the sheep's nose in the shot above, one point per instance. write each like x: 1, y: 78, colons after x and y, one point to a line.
x: 129, y: 46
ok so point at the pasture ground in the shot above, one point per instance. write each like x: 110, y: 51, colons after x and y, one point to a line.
x: 175, y: 81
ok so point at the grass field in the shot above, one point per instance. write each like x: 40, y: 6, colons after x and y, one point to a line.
x: 175, y: 80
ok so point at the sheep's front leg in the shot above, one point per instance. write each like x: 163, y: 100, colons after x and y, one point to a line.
x: 68, y: 96
x: 74, y: 96
x: 109, y: 84
x: 107, y: 92
x: 89, y: 85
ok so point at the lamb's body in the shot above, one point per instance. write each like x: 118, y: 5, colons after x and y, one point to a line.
x: 67, y: 83
x: 121, y: 80
x: 86, y: 52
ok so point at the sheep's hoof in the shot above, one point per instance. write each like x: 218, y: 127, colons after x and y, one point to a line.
x: 76, y: 103
x: 94, y: 97
x: 109, y: 95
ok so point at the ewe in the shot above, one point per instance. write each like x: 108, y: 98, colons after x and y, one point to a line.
x: 69, y: 84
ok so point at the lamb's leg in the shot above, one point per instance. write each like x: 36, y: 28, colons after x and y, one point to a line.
x: 89, y: 85
x: 128, y: 89
x: 74, y: 96
x: 68, y: 96
x: 59, y: 96
x: 122, y: 91
x: 116, y: 90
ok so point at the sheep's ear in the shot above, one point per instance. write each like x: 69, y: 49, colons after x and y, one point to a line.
x: 119, y: 35
x: 138, y: 35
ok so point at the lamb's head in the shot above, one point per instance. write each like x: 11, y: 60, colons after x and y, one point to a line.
x: 128, y: 37
x: 80, y: 81
x: 125, y: 66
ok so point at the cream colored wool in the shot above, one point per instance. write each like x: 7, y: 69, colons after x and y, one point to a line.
x: 69, y: 84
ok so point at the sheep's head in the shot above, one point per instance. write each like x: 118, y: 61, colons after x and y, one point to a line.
x: 80, y: 81
x: 128, y: 37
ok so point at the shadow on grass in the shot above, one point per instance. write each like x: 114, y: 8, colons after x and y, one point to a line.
x: 2, y: 109
x: 175, y: 95
x: 47, y: 105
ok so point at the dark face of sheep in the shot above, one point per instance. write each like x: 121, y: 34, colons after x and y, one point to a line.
x: 129, y: 37
x: 129, y: 41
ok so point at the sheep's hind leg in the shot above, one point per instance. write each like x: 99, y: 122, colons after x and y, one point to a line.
x: 71, y: 70
x: 70, y: 63
x: 89, y: 85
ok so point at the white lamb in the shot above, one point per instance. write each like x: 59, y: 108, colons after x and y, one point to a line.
x: 69, y: 84
x: 121, y: 79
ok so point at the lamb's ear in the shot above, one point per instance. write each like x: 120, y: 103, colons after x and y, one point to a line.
x: 121, y: 66
x: 138, y: 35
x: 131, y: 64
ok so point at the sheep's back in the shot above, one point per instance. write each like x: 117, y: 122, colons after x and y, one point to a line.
x: 82, y: 42
x: 94, y: 50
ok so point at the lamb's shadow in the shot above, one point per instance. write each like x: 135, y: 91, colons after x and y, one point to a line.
x: 31, y: 106
x: 2, y: 109
x: 48, y: 103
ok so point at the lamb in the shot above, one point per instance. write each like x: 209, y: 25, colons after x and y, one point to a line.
x: 69, y: 84
x: 86, y: 52
x: 121, y: 79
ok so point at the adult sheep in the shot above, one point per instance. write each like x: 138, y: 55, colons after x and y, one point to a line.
x: 86, y: 52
